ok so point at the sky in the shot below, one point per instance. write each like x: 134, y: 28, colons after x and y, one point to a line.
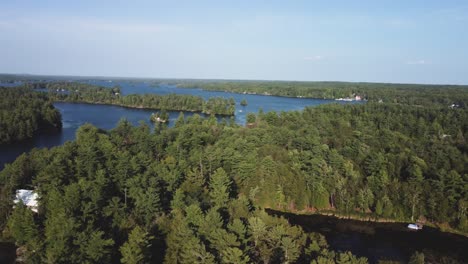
x: 410, y: 41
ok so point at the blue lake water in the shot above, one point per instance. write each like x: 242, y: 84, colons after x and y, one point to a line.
x: 254, y: 102
x: 107, y: 116
x: 74, y: 116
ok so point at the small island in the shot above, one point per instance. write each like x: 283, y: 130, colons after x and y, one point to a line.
x: 160, y: 117
x: 243, y: 102
x: 93, y: 94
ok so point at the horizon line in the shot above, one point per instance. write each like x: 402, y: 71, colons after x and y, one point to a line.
x: 223, y: 79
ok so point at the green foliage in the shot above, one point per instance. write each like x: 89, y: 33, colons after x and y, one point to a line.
x: 199, y: 188
x: 134, y: 251
x: 103, y: 199
x: 417, y: 258
x: 23, y: 113
x: 87, y: 93
x: 22, y: 226
x: 251, y: 118
x: 234, y: 255
x: 414, y: 94
x: 220, y: 187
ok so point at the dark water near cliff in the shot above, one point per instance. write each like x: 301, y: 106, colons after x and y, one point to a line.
x: 384, y: 241
x: 7, y: 252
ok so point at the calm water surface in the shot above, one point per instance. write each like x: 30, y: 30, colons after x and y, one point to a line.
x: 383, y: 241
x: 73, y: 116
x: 254, y: 102
x: 106, y: 116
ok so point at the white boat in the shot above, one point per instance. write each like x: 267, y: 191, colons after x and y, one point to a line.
x: 415, y: 226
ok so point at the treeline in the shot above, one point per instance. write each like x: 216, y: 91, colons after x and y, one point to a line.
x: 413, y: 94
x: 23, y: 113
x: 81, y: 92
x: 133, y: 196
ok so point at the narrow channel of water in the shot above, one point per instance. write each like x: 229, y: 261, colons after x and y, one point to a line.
x: 383, y: 241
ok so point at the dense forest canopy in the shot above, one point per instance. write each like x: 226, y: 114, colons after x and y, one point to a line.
x: 195, y: 192
x: 132, y: 196
x: 23, y: 113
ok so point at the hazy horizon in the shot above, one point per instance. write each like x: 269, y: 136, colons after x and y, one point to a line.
x: 213, y: 79
x: 417, y: 42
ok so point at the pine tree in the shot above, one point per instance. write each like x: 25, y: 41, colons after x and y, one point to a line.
x: 417, y: 258
x: 135, y: 249
x: 21, y: 225
x: 220, y: 187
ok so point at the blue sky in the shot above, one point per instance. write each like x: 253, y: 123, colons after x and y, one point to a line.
x: 396, y: 41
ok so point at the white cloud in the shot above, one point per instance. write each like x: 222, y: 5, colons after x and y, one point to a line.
x: 398, y: 22
x: 122, y: 27
x: 314, y: 58
x: 88, y: 25
x: 417, y: 62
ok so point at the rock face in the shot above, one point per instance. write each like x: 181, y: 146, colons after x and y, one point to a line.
x: 20, y: 255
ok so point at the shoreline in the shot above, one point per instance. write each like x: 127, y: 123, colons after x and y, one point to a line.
x: 254, y: 93
x: 370, y: 219
x: 138, y: 107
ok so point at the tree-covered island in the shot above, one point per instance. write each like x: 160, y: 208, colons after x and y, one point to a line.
x: 87, y: 93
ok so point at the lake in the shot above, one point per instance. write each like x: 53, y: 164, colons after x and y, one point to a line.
x: 254, y: 102
x: 107, y: 116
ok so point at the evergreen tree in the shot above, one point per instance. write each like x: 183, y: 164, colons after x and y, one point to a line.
x: 220, y: 187
x: 135, y: 249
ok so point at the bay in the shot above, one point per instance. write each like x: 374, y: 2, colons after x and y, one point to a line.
x: 107, y: 116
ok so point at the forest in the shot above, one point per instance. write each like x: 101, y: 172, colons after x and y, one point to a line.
x: 132, y: 196
x: 412, y: 94
x: 196, y: 192
x: 23, y: 113
x: 87, y: 93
